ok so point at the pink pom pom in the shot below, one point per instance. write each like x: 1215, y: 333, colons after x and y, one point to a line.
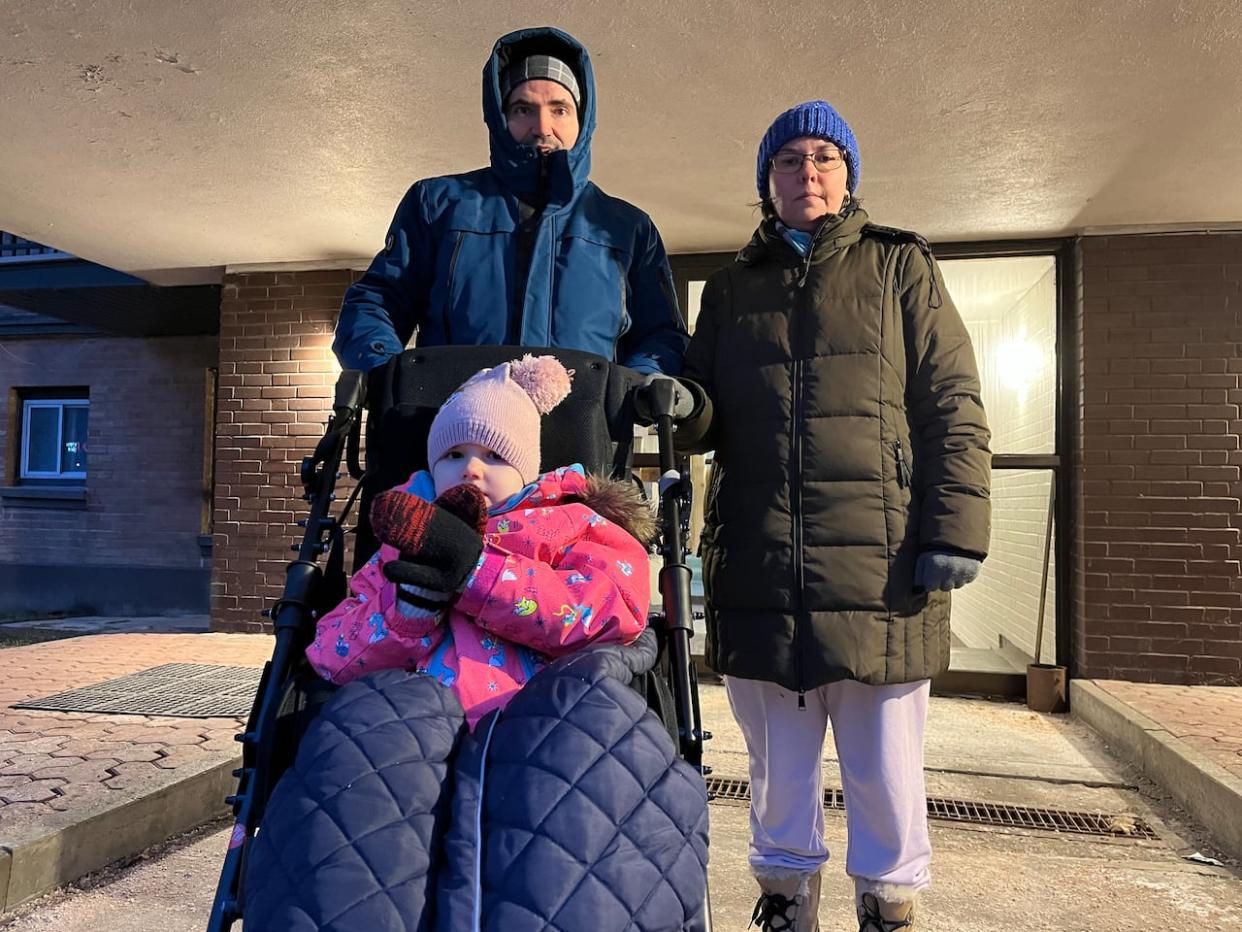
x: 544, y: 378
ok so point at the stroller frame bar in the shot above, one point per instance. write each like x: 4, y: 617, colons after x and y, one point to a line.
x: 292, y: 616
x: 675, y: 578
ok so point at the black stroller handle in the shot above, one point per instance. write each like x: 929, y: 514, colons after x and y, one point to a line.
x: 662, y: 395
x: 351, y: 390
x: 675, y: 580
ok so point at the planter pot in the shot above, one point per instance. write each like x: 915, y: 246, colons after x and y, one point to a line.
x: 1047, y: 688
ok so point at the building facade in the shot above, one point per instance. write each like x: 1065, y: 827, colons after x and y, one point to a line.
x: 1130, y: 411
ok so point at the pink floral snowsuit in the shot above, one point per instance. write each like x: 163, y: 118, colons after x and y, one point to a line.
x: 552, y: 579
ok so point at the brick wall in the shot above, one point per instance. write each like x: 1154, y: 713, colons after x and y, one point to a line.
x: 277, y: 374
x: 1157, y: 528
x: 1158, y: 595
x: 145, y: 474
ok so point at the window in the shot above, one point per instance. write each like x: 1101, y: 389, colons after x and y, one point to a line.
x: 54, y: 437
x: 1009, y: 305
x: 15, y: 249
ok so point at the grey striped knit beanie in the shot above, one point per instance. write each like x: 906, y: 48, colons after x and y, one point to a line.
x: 534, y: 67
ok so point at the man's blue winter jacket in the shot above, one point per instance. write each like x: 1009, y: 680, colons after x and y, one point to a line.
x: 598, y: 277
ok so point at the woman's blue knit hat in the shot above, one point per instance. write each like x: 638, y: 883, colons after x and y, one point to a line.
x: 814, y: 118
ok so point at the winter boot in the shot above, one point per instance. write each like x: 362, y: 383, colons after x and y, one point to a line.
x: 894, y: 914
x: 789, y: 902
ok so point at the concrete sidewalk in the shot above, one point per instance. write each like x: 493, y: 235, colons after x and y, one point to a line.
x: 79, y: 791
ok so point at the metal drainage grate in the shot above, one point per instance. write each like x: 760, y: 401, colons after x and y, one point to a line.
x: 998, y: 814
x: 1121, y: 825
x: 182, y: 690
x: 733, y: 790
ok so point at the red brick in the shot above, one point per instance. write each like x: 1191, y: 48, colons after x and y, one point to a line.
x: 1157, y: 317
x: 285, y: 378
x: 1176, y: 365
x: 146, y: 441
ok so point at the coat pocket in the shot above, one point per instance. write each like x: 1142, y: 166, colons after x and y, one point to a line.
x: 592, y: 296
x: 905, y: 475
x: 469, y: 303
x: 902, y: 517
x: 711, y: 510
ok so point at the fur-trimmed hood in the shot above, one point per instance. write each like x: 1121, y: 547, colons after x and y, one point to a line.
x: 622, y: 503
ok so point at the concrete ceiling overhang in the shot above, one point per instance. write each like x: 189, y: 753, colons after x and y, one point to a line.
x: 155, y: 136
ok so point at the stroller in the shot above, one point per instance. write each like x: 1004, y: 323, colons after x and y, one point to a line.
x: 594, y: 426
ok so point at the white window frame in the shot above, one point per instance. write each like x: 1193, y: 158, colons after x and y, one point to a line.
x: 59, y: 404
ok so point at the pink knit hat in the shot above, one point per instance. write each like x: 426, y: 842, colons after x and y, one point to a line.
x: 499, y: 408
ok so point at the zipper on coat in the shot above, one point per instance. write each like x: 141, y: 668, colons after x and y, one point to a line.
x: 478, y: 827
x: 806, y: 260
x: 903, y: 468
x: 527, y: 235
x: 795, y: 486
x: 795, y: 489
x: 552, y: 248
x: 452, y: 274
x: 623, y: 324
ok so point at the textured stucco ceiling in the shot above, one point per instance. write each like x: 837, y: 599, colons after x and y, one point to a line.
x: 172, y: 134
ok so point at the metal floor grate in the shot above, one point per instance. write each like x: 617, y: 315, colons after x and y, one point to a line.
x: 182, y: 690
x: 1123, y: 825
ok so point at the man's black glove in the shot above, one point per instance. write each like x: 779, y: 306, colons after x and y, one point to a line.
x: 646, y: 399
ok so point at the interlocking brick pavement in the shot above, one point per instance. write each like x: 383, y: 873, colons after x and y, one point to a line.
x: 1207, y: 718
x: 56, y: 761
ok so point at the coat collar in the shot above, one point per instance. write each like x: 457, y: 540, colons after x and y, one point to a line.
x: 836, y: 232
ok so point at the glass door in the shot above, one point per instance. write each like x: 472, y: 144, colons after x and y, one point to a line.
x: 1010, y: 307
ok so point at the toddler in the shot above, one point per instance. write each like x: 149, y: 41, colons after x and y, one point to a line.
x: 488, y: 569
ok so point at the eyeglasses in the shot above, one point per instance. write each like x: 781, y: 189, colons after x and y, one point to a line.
x: 824, y: 160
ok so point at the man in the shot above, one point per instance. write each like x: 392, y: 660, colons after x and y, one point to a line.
x: 527, y: 251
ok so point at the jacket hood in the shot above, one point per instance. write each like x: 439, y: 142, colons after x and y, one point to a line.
x: 518, y: 165
x: 623, y: 504
x: 619, y: 502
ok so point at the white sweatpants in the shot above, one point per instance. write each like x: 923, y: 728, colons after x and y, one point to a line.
x: 879, y: 737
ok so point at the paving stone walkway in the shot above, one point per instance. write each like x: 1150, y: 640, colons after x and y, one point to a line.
x: 56, y: 761
x: 1208, y: 718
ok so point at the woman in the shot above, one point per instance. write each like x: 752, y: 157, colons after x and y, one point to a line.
x: 849, y: 494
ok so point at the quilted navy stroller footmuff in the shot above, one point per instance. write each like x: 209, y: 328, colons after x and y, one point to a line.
x: 567, y: 811
x: 351, y: 836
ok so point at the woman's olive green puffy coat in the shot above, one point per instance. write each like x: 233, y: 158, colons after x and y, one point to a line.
x: 849, y: 438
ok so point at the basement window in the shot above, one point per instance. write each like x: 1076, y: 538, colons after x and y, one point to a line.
x: 50, y: 452
x: 54, y: 439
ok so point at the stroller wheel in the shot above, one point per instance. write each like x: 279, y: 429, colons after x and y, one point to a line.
x: 655, y: 689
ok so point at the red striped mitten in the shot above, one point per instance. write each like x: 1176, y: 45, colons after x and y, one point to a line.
x: 438, y: 549
x: 467, y: 503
